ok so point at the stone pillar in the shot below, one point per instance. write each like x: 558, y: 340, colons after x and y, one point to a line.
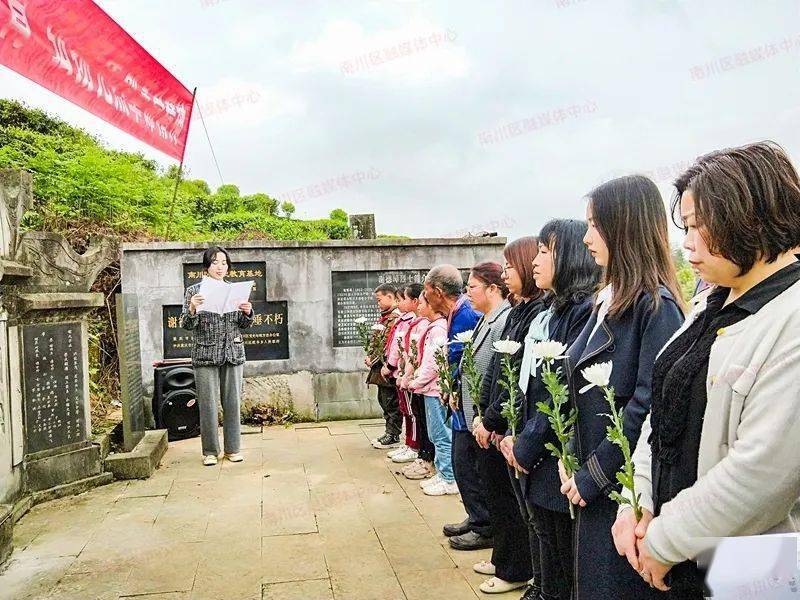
x: 16, y: 196
x: 363, y: 227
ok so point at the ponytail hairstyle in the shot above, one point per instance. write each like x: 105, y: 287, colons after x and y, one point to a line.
x: 490, y: 273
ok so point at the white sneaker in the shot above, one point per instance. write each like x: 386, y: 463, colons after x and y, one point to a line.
x: 408, y: 456
x: 235, y: 457
x: 441, y: 488
x: 432, y: 481
x: 209, y: 460
x: 395, y: 451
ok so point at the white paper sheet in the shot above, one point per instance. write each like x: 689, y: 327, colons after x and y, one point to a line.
x: 222, y: 297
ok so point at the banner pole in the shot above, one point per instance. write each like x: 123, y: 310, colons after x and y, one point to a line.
x: 178, y: 179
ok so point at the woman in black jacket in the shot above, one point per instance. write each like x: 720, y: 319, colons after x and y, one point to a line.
x: 512, y: 547
x: 637, y: 311
x: 568, y: 275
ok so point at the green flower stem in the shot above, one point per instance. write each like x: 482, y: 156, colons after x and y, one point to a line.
x: 510, y: 410
x: 472, y: 376
x: 564, y: 428
x: 616, y: 435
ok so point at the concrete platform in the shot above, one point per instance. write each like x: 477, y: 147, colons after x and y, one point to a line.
x: 142, y: 461
x: 313, y: 513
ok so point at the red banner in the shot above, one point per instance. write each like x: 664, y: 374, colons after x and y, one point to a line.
x: 73, y: 48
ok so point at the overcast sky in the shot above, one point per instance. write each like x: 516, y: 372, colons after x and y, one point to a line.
x: 479, y: 115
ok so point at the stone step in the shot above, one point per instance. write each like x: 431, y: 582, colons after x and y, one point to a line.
x: 143, y: 460
x: 59, y: 469
x: 6, y: 532
x: 72, y: 488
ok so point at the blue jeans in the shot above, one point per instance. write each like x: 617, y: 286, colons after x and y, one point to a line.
x: 441, y: 436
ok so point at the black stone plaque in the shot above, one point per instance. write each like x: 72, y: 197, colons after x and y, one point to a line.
x: 241, y: 271
x: 353, y: 297
x: 177, y: 341
x: 266, y: 339
x: 54, y: 386
x: 130, y: 370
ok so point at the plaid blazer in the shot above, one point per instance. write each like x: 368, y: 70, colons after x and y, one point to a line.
x: 217, y: 338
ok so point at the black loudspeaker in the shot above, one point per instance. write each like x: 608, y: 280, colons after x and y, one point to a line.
x: 175, y: 401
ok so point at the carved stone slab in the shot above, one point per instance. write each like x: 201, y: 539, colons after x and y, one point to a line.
x: 16, y: 196
x: 56, y: 265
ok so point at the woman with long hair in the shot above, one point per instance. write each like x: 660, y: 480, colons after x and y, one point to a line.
x: 717, y: 456
x: 636, y: 312
x: 568, y: 275
x: 511, y: 555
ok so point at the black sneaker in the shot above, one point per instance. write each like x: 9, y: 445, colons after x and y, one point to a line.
x: 386, y: 441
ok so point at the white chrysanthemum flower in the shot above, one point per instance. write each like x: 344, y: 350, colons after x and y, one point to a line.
x: 438, y: 342
x: 378, y: 327
x: 598, y: 375
x: 464, y: 336
x: 549, y: 350
x: 361, y: 320
x: 506, y: 346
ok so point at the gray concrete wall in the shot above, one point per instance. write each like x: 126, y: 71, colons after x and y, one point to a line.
x: 326, y: 382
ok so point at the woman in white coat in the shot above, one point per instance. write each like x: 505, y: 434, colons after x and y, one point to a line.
x: 718, y: 454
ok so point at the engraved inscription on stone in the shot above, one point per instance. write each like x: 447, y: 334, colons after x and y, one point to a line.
x: 266, y: 339
x: 130, y: 370
x: 353, y: 297
x: 239, y: 271
x: 54, y: 386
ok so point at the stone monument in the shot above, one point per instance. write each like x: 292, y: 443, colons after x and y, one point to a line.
x: 46, y: 449
x: 363, y: 227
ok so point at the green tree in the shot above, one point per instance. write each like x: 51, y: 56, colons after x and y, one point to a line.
x: 337, y: 214
x: 686, y: 278
x: 79, y: 183
x: 260, y: 203
x: 288, y: 209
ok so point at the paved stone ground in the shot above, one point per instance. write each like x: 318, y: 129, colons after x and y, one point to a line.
x: 314, y: 513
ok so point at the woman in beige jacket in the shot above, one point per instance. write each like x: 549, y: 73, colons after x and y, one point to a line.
x: 718, y: 454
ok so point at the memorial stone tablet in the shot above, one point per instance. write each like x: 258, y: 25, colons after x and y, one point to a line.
x: 240, y: 271
x: 266, y: 339
x: 353, y: 297
x: 54, y: 376
x: 130, y: 370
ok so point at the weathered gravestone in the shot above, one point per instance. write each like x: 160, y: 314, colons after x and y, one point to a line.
x: 45, y: 427
x: 134, y: 420
x: 54, y: 379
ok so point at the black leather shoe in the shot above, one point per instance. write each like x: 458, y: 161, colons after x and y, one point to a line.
x: 471, y: 541
x: 456, y: 528
x: 532, y: 592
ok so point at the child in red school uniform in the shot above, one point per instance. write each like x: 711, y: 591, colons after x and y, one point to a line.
x: 426, y: 383
x: 407, y: 301
x: 422, y: 466
x: 382, y: 333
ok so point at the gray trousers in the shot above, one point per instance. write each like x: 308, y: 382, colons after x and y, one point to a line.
x: 215, y: 384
